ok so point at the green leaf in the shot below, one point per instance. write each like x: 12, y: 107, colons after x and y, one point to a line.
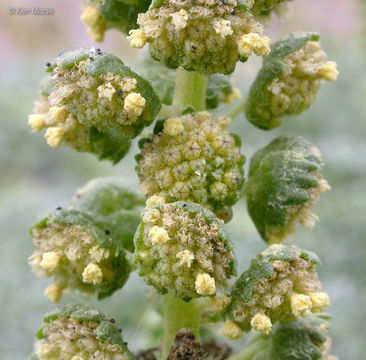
x: 110, y: 201
x: 279, y: 176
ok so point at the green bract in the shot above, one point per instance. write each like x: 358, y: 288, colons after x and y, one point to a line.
x: 192, y: 158
x: 77, y: 332
x: 280, y: 284
x: 219, y: 87
x: 208, y: 37
x: 183, y: 249
x: 79, y: 253
x: 111, y: 14
x: 94, y: 104
x: 110, y: 201
x: 289, y: 80
x: 305, y: 338
x: 284, y: 183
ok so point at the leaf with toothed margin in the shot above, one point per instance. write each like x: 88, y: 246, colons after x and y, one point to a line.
x: 279, y: 176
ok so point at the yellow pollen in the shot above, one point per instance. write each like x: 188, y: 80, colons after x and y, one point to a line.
x: 58, y: 113
x: 54, y: 136
x: 134, y: 104
x: 92, y: 274
x: 223, y: 28
x: 253, y: 42
x: 319, y: 301
x: 329, y: 71
x: 179, y: 19
x: 137, y: 38
x: 155, y: 200
x: 90, y: 15
x: 205, y: 284
x: 50, y: 260
x: 300, y: 304
x: 54, y: 292
x: 220, y: 303
x: 173, y: 127
x: 186, y: 257
x: 106, y: 91
x: 261, y: 323
x: 232, y: 330
x: 36, y: 121
x: 158, y: 235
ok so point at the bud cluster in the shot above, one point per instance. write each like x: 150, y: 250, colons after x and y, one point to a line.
x: 93, y: 102
x: 280, y: 284
x: 289, y: 80
x: 207, y: 36
x: 263, y: 8
x: 79, y: 254
x: 183, y: 249
x: 194, y: 158
x: 78, y: 332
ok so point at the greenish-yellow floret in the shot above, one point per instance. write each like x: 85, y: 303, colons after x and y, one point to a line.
x: 281, y: 284
x: 193, y: 158
x: 183, y: 249
x: 79, y: 254
x: 206, y: 36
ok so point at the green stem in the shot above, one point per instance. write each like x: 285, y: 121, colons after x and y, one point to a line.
x: 236, y: 110
x: 178, y: 315
x: 253, y: 348
x: 190, y: 90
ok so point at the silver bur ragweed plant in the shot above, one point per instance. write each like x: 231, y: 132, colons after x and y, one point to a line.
x: 191, y: 172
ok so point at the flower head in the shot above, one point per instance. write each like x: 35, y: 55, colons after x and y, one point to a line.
x: 289, y: 80
x: 205, y: 36
x: 280, y: 285
x: 183, y: 249
x: 263, y: 9
x: 93, y: 103
x: 193, y: 158
x: 283, y: 185
x: 79, y: 332
x: 79, y: 254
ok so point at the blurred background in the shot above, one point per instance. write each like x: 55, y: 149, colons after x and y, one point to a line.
x: 35, y: 177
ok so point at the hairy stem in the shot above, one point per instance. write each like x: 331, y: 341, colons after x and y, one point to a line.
x: 190, y: 90
x: 257, y: 345
x: 179, y: 314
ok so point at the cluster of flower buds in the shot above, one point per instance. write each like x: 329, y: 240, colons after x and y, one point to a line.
x: 93, y: 102
x: 281, y: 284
x: 183, y: 249
x: 289, y: 80
x: 83, y: 247
x: 283, y: 185
x: 79, y: 332
x: 99, y: 16
x: 207, y: 36
x: 192, y: 158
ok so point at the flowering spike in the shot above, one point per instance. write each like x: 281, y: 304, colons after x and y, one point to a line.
x: 80, y: 332
x: 278, y: 286
x: 183, y: 249
x: 110, y: 201
x: 208, y: 36
x: 79, y: 253
x: 289, y: 80
x: 192, y: 158
x: 283, y: 185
